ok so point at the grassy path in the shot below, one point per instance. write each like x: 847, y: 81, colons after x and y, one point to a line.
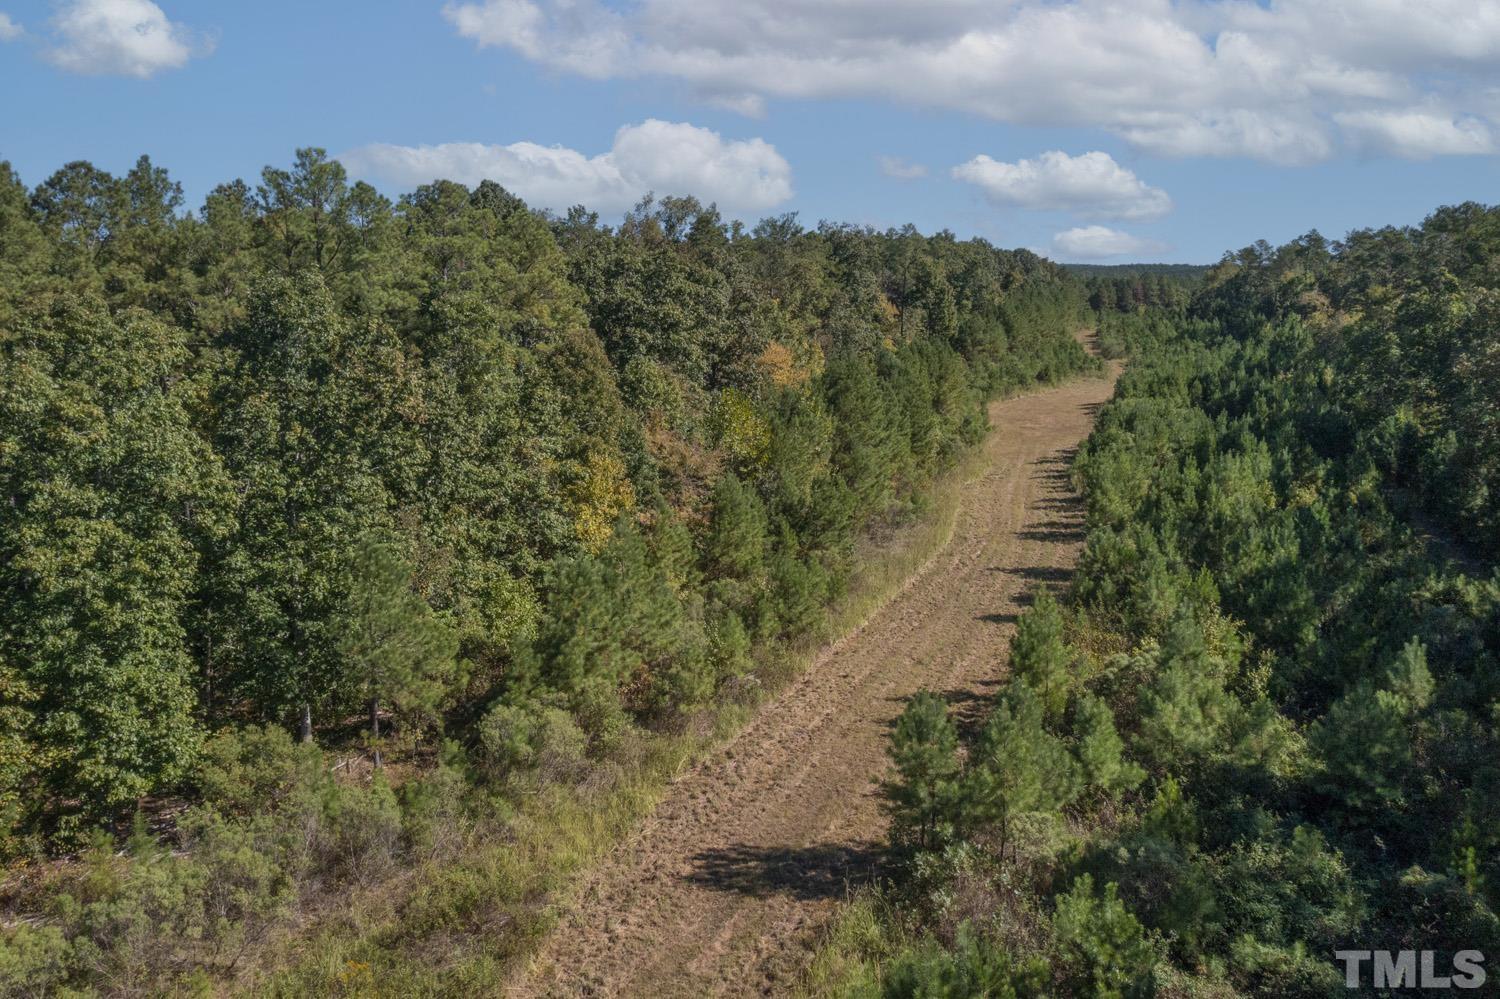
x: 723, y: 888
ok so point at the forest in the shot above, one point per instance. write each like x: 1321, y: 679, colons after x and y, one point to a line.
x: 367, y: 564
x: 1263, y: 722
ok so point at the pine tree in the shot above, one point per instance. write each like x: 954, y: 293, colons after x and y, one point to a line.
x: 1017, y: 767
x: 800, y: 590
x: 1365, y: 748
x: 1409, y: 678
x: 1365, y: 740
x: 1099, y: 750
x: 734, y: 549
x: 735, y: 544
x: 1106, y: 946
x: 924, y: 749
x: 1185, y: 710
x: 1038, y: 655
x: 863, y: 449
x: 397, y: 651
x: 24, y: 253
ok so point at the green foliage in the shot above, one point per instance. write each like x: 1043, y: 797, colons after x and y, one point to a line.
x: 274, y: 823
x: 1366, y: 749
x: 529, y: 739
x: 111, y: 495
x: 1287, y: 600
x: 276, y: 584
x: 309, y: 456
x: 1038, y: 655
x: 1099, y: 750
x: 398, y: 652
x: 863, y: 444
x: 734, y: 547
x: 973, y: 968
x: 256, y: 770
x: 729, y: 646
x: 1018, y: 767
x: 1410, y: 679
x: 1105, y: 948
x: 924, y: 749
x: 1186, y: 709
x: 618, y: 636
x: 1289, y: 892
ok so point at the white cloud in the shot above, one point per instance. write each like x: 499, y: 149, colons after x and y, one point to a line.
x: 9, y: 30
x: 1417, y: 134
x: 1092, y: 185
x: 749, y: 105
x: 1095, y: 242
x: 120, y: 38
x: 1288, y: 138
x: 899, y: 169
x: 1174, y: 77
x: 665, y: 157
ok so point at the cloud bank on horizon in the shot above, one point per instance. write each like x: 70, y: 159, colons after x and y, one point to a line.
x: 1288, y: 83
x: 1097, y: 242
x: 654, y: 156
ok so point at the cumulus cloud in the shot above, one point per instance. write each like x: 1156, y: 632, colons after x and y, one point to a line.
x: 665, y: 157
x: 898, y: 169
x: 1417, y: 134
x: 1175, y: 77
x: 9, y: 30
x: 1096, y: 242
x: 120, y: 38
x: 1092, y: 185
x: 1285, y: 137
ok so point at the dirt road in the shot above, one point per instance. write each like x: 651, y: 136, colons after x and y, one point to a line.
x: 724, y: 887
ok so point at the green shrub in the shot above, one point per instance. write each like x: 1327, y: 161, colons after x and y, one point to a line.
x: 257, y: 769
x: 975, y: 968
x: 35, y: 961
x: 530, y: 740
x: 1104, y: 948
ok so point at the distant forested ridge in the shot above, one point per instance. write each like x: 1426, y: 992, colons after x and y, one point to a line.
x: 486, y: 492
x: 1265, y: 725
x: 1133, y: 287
x: 1186, y: 273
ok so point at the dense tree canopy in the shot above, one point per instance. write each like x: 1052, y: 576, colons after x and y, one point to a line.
x: 309, y: 454
x: 1281, y: 686
x: 309, y: 460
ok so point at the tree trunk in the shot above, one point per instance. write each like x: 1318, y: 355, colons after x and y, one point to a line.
x: 375, y: 729
x: 304, y: 728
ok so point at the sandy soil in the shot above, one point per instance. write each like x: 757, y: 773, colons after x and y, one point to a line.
x: 723, y: 889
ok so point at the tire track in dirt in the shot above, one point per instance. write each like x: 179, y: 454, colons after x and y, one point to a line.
x: 721, y: 891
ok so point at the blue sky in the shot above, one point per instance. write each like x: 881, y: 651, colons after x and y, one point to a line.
x: 1133, y: 129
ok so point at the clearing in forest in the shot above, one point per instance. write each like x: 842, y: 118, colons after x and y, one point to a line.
x: 722, y: 890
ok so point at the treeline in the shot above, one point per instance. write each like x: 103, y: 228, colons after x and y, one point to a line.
x: 1266, y: 724
x: 442, y: 483
x: 1136, y: 291
x: 1191, y: 275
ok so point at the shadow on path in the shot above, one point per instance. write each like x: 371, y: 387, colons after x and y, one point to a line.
x: 1035, y: 574
x: 823, y: 871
